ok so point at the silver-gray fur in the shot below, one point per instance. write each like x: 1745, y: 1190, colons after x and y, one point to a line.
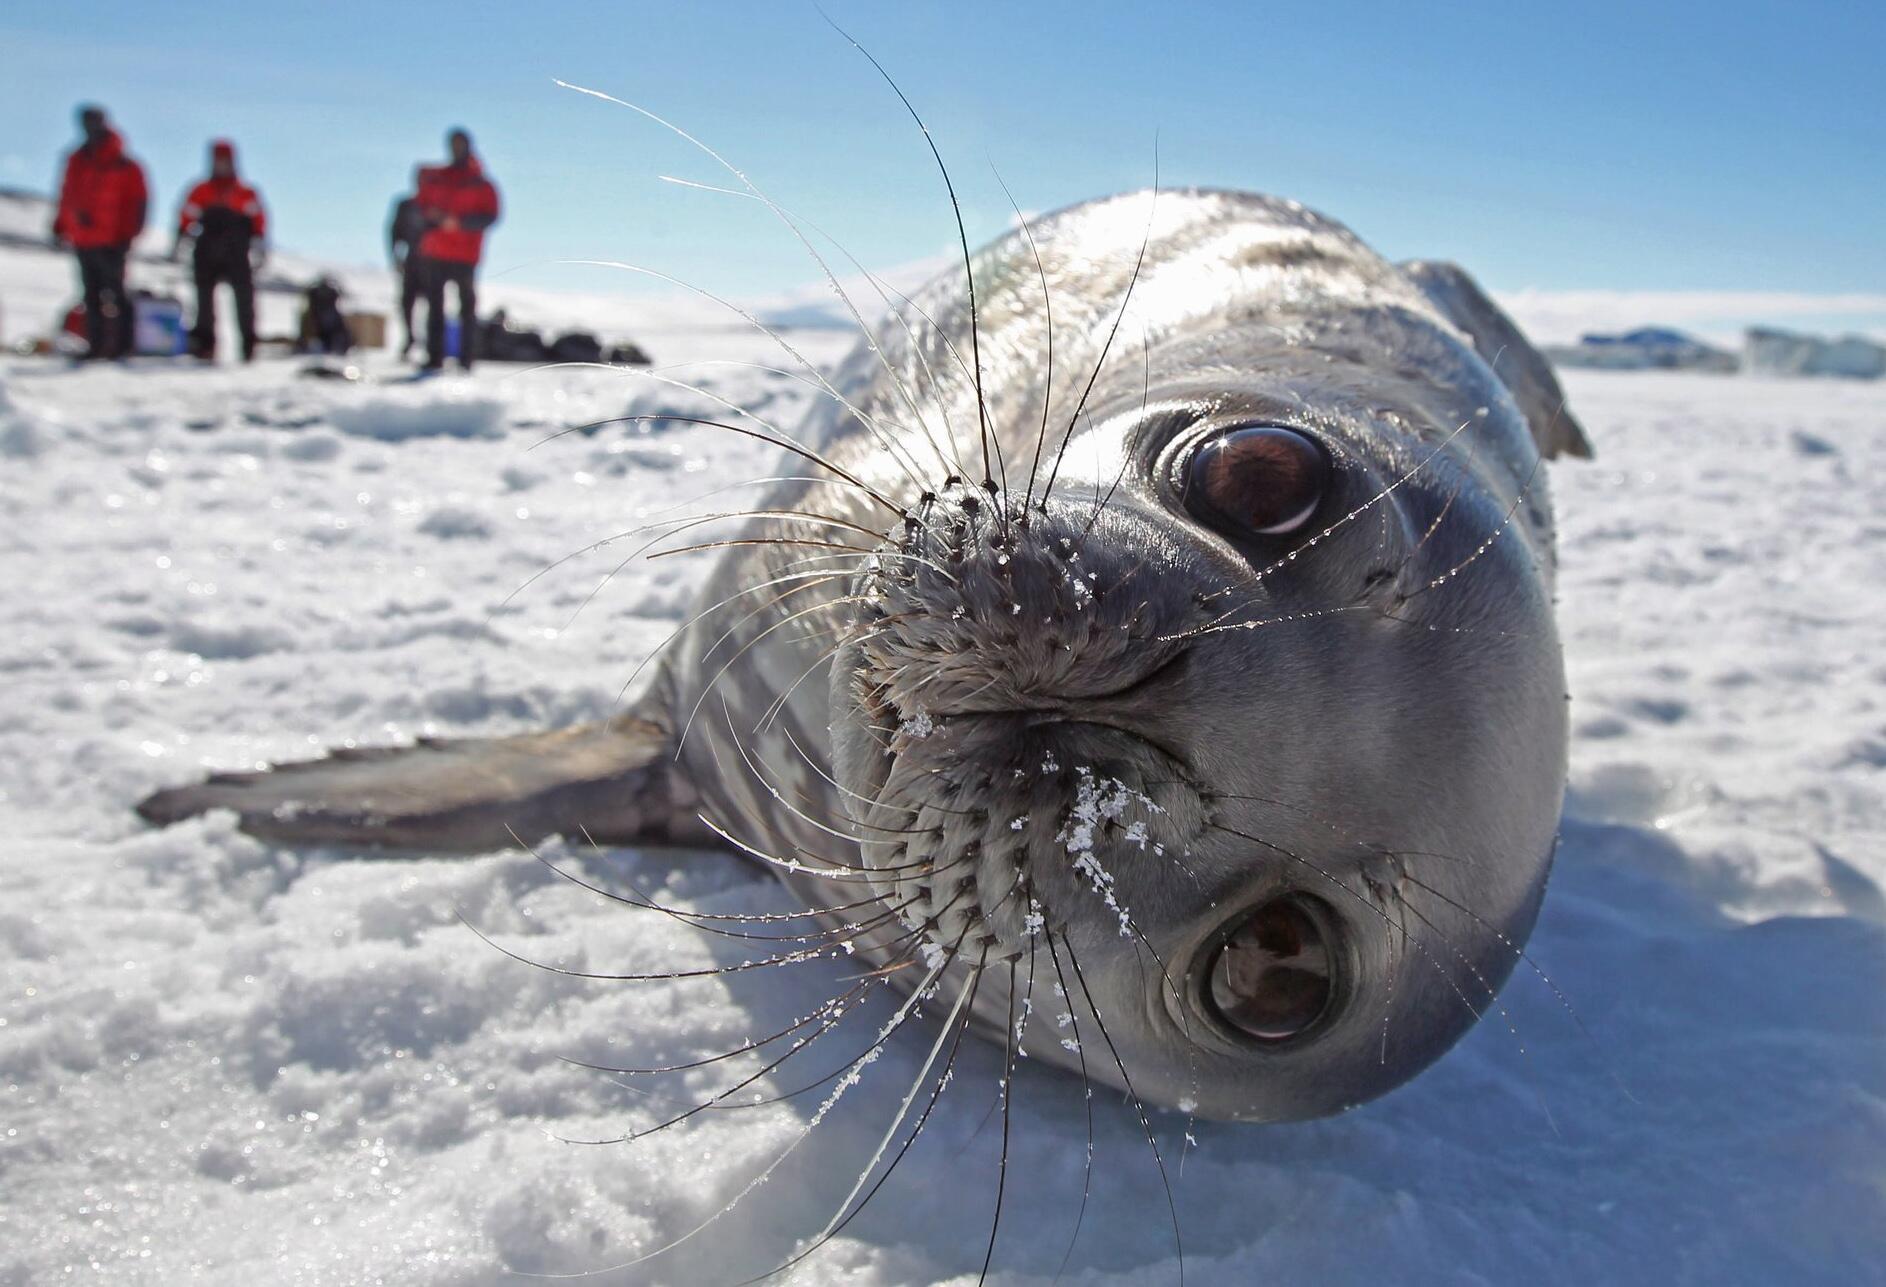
x: 992, y: 672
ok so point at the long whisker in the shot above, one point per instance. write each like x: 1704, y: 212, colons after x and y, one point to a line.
x: 1344, y: 521
x: 1126, y: 298
x: 694, y: 920
x: 1087, y: 1096
x: 1139, y: 1106
x: 1475, y: 1010
x: 852, y: 1077
x: 792, y: 226
x: 953, y: 460
x: 1047, y: 308
x: 1008, y: 1099
x: 744, y: 1048
x: 962, y: 237
x: 805, y: 453
x: 1485, y: 545
x: 951, y: 1033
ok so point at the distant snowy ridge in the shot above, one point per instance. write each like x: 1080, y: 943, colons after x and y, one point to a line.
x: 1648, y: 348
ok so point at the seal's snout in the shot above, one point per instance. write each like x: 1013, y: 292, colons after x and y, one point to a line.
x: 984, y: 609
x: 993, y: 706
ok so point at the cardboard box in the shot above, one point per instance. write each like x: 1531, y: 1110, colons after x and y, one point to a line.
x: 367, y: 329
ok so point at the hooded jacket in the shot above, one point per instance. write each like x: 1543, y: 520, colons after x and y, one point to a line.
x: 222, y: 214
x: 102, y: 196
x: 462, y: 193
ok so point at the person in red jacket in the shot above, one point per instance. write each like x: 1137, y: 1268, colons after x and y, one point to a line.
x: 102, y: 200
x: 457, y: 203
x: 224, y: 216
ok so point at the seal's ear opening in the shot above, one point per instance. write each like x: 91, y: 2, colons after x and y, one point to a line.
x: 1520, y: 367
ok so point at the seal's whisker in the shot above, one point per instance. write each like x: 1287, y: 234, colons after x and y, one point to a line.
x: 832, y: 1015
x: 677, y: 526
x: 952, y: 461
x: 1492, y: 1001
x: 719, y: 1098
x: 1265, y: 622
x: 1007, y: 1094
x: 822, y: 575
x: 819, y: 583
x: 845, y: 930
x: 884, y: 292
x: 903, y: 460
x: 1485, y: 545
x: 824, y: 869
x: 867, y: 554
x: 845, y: 790
x: 829, y: 1017
x: 657, y: 518
x: 946, y: 955
x: 1520, y: 954
x: 681, y: 741
x: 1145, y: 395
x: 772, y: 788
x: 818, y: 385
x: 1397, y: 945
x: 751, y: 918
x: 1087, y: 1097
x: 746, y: 1047
x: 836, y: 567
x: 1341, y: 832
x: 879, y: 625
x: 792, y: 225
x: 949, y: 346
x: 845, y: 815
x: 962, y: 237
x: 954, y: 1026
x: 1126, y: 298
x: 853, y: 1075
x: 1047, y: 308
x: 798, y: 957
x: 1139, y: 1106
x: 785, y: 444
x: 1433, y: 527
x: 1345, y: 520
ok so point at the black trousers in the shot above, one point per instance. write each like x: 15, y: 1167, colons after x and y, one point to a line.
x: 439, y: 273
x: 412, y: 284
x: 110, y: 325
x: 214, y: 270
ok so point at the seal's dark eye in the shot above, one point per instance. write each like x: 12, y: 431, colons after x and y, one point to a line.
x: 1272, y: 978
x: 1261, y: 480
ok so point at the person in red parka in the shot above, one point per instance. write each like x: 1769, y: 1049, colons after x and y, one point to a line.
x: 457, y: 203
x: 102, y: 200
x: 225, y: 217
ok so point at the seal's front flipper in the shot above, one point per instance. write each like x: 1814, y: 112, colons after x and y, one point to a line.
x: 1519, y: 366
x: 612, y: 781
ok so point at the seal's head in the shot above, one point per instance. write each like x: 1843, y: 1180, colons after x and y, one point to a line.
x: 1244, y: 737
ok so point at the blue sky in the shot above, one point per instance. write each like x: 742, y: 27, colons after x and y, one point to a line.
x: 1726, y: 146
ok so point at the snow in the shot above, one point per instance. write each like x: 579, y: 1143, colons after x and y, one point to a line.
x: 224, y: 1062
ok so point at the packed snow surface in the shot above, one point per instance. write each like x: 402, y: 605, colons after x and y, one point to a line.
x: 227, y: 1062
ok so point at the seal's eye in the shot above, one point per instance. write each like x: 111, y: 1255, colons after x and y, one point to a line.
x: 1272, y: 978
x: 1260, y: 479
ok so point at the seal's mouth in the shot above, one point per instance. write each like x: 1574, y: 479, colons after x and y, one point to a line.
x: 988, y: 827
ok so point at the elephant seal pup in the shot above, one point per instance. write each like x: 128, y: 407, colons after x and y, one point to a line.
x: 1160, y: 670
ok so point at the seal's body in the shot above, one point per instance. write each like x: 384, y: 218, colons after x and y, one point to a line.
x: 1156, y: 659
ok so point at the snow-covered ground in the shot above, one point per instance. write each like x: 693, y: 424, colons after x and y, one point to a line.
x: 230, y: 1063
